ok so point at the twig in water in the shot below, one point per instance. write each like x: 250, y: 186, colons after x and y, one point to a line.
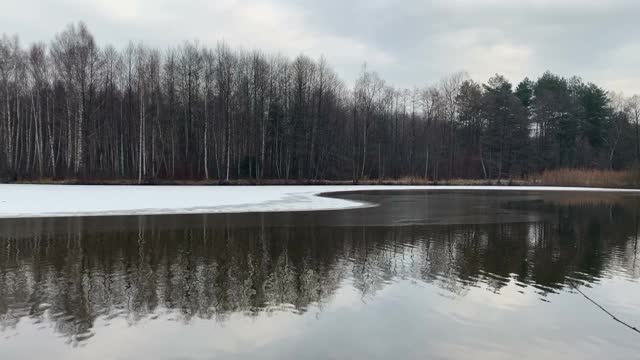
x: 603, y: 309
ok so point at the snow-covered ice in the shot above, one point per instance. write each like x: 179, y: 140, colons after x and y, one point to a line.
x: 79, y: 200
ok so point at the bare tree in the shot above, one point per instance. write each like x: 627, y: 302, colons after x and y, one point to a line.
x: 368, y: 93
x: 633, y: 109
x: 73, y: 109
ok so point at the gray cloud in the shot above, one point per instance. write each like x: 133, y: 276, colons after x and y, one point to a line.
x: 408, y: 42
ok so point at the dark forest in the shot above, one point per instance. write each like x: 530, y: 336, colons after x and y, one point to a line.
x: 70, y: 109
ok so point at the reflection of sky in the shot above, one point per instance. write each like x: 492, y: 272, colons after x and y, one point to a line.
x: 404, y: 320
x: 178, y: 287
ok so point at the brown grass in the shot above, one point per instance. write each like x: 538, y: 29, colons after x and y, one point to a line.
x: 590, y: 178
x: 560, y: 177
x: 408, y: 180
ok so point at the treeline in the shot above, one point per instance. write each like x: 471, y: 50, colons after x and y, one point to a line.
x: 73, y: 110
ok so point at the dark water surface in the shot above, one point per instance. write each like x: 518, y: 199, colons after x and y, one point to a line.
x: 426, y: 275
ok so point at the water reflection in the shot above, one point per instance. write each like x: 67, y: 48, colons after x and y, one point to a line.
x: 69, y: 272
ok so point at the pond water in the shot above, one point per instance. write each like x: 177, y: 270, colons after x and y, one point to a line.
x: 439, y: 275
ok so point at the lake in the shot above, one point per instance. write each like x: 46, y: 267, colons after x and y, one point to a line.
x: 427, y: 274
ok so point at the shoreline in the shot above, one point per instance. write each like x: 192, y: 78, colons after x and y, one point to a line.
x: 277, y: 182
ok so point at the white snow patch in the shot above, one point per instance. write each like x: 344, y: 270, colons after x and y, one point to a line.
x: 80, y: 200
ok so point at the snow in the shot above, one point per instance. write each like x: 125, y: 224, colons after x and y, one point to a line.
x: 79, y: 200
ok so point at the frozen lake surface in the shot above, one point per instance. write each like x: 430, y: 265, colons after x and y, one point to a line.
x: 81, y: 200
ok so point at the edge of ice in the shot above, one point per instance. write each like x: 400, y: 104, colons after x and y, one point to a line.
x: 24, y: 201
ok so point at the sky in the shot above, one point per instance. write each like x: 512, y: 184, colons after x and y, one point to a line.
x: 408, y: 42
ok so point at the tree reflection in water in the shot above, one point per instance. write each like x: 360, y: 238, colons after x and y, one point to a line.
x: 70, y: 271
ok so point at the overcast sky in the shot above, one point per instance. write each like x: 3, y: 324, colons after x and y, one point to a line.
x: 409, y: 42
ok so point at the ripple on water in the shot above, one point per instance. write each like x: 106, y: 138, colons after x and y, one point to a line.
x: 482, y: 281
